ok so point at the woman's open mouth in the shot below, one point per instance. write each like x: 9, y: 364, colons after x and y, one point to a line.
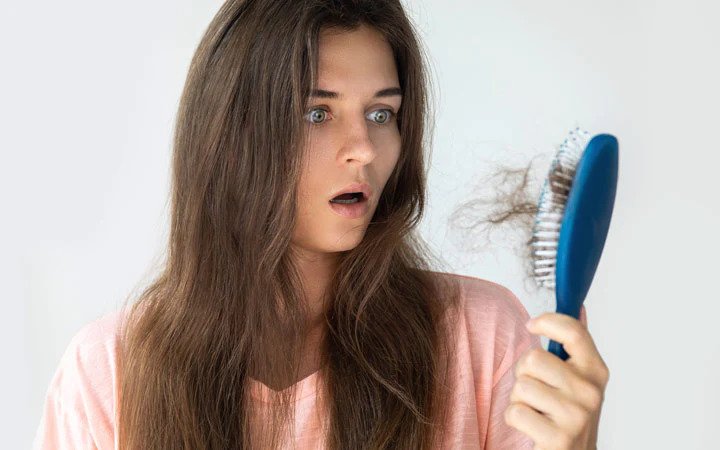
x: 351, y: 206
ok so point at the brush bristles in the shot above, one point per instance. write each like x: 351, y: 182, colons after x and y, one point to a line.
x: 551, y: 207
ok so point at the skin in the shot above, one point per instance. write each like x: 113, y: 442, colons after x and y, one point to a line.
x: 557, y: 403
x: 353, y: 140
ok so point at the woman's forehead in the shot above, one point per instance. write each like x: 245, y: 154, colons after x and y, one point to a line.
x: 360, y: 51
x: 357, y: 62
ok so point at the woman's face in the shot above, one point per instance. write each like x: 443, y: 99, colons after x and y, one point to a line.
x: 353, y: 137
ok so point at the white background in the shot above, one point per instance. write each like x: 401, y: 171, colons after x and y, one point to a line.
x: 88, y: 96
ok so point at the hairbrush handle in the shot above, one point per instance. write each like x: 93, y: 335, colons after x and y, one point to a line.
x: 584, y: 228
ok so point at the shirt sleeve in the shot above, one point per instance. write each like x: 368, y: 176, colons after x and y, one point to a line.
x: 60, y: 431
x: 60, y: 428
x: 500, y: 434
x: 79, y: 403
x: 512, y: 340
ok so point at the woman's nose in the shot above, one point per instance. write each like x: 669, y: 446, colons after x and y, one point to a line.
x: 357, y: 143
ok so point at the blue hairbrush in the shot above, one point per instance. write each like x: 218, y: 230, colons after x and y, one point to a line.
x: 573, y: 218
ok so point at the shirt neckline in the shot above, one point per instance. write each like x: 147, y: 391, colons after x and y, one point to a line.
x: 305, y: 388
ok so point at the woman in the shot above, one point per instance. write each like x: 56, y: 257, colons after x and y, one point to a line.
x: 284, y: 314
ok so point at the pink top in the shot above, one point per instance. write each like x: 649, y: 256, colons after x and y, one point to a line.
x: 490, y: 337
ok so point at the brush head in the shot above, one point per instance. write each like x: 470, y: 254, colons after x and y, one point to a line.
x: 551, y: 207
x: 573, y: 217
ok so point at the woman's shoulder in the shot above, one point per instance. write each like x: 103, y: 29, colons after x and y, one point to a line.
x: 487, y: 301
x: 92, y: 349
x: 102, y: 329
x: 491, y: 319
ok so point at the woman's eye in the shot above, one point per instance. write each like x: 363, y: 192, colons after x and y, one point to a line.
x: 314, y: 114
x: 317, y: 115
x: 384, y: 114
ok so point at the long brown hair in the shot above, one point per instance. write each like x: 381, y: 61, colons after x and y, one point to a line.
x: 228, y: 302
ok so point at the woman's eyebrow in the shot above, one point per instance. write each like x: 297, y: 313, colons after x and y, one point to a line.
x: 387, y: 92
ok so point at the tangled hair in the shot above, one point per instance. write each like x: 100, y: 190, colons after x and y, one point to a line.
x: 228, y: 301
x: 506, y: 197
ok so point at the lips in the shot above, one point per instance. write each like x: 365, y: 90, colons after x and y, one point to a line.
x: 350, y: 210
x: 363, y: 188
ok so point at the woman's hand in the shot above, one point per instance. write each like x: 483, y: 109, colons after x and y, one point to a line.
x: 557, y: 403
